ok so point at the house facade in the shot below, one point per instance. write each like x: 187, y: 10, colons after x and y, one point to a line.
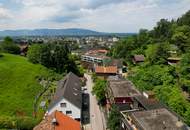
x: 121, y: 92
x: 67, y: 108
x: 68, y: 97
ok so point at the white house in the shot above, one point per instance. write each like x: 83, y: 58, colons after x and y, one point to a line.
x: 68, y: 97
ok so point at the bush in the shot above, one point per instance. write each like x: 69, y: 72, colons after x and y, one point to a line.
x: 114, y: 119
x: 8, y: 46
x: 21, y: 123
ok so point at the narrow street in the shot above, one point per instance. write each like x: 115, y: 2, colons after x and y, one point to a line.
x: 97, y: 120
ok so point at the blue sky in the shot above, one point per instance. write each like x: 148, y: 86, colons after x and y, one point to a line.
x: 99, y: 15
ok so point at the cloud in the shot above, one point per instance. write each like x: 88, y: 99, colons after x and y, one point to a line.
x: 4, y: 13
x: 101, y: 15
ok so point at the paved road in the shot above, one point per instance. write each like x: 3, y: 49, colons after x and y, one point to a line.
x: 97, y: 120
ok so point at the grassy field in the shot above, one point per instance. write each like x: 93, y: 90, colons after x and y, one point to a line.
x: 19, y: 85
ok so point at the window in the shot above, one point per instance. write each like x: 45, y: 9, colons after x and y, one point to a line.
x: 68, y: 112
x: 63, y: 105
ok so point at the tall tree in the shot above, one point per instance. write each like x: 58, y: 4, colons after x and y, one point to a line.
x: 54, y: 56
x: 181, y: 38
x: 157, y: 53
x: 8, y: 46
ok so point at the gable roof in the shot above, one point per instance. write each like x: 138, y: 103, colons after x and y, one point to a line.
x: 69, y: 88
x: 64, y: 122
x: 106, y: 70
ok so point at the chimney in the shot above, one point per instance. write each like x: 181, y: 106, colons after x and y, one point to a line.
x: 149, y: 94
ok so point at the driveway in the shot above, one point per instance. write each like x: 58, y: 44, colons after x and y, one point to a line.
x: 97, y: 120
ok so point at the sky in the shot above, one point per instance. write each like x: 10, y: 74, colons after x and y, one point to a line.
x: 98, y: 15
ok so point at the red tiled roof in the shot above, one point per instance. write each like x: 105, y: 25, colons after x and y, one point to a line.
x: 64, y: 122
x: 108, y: 69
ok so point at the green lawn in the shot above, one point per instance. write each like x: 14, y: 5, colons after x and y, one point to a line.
x: 18, y: 85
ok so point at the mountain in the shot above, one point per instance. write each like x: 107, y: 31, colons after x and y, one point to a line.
x: 56, y: 32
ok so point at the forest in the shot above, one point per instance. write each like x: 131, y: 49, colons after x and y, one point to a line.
x: 171, y: 83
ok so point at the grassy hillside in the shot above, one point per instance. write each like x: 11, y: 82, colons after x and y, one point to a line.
x: 19, y: 85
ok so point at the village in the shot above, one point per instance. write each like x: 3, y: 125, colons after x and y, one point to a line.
x: 73, y: 105
x: 94, y: 65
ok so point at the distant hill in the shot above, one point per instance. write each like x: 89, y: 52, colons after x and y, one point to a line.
x: 57, y: 32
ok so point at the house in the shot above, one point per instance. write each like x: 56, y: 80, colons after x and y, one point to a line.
x: 149, y: 114
x: 155, y: 119
x: 121, y: 92
x: 95, y: 56
x: 173, y: 60
x: 58, y: 121
x: 115, y: 62
x: 68, y: 97
x: 138, y: 59
x: 23, y: 49
x: 105, y: 71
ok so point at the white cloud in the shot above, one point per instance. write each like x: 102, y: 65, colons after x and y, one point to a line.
x: 4, y: 13
x: 101, y: 15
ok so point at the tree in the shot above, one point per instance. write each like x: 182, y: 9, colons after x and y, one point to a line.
x: 34, y: 52
x: 8, y: 46
x: 185, y: 19
x: 114, y: 119
x: 99, y: 89
x: 146, y: 78
x: 54, y: 56
x: 157, y: 53
x: 181, y: 38
x: 183, y: 70
x: 163, y: 30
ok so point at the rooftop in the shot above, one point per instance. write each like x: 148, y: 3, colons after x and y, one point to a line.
x: 139, y: 58
x: 69, y: 88
x: 101, y: 56
x: 174, y: 58
x: 157, y: 119
x: 123, y: 88
x: 106, y: 70
x: 148, y: 104
x: 114, y: 62
x: 63, y: 122
x: 97, y: 51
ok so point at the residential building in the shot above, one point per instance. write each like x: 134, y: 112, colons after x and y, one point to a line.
x: 68, y: 97
x: 58, y: 121
x: 121, y: 92
x: 115, y: 62
x: 173, y: 60
x: 95, y: 56
x: 155, y: 119
x: 138, y: 59
x: 105, y: 71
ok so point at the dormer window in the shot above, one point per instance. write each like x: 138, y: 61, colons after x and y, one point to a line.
x: 63, y: 104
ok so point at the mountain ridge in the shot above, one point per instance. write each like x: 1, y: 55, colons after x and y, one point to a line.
x: 56, y: 32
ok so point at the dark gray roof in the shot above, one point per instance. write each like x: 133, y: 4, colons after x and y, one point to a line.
x: 148, y: 104
x: 123, y: 88
x: 157, y: 119
x: 123, y: 107
x: 70, y: 89
x: 115, y: 62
